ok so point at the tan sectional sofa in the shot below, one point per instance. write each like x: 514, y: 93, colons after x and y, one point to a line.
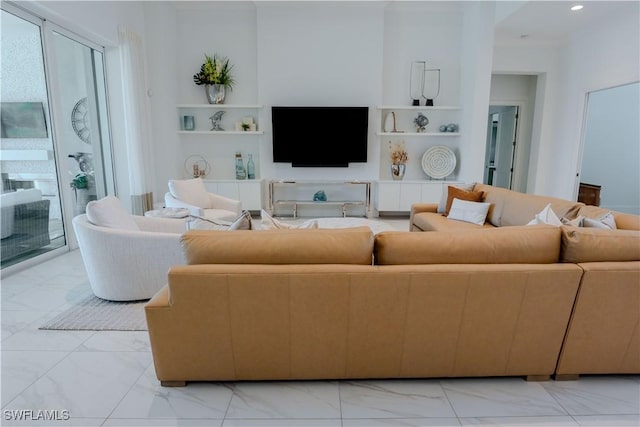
x: 509, y: 208
x: 341, y: 303
x: 603, y: 336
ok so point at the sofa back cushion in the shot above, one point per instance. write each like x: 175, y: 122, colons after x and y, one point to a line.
x: 293, y: 246
x: 535, y: 244
x: 624, y: 221
x: 109, y: 212
x: 514, y: 208
x: 597, y: 244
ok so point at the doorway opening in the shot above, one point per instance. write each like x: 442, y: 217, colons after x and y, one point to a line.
x: 502, y: 133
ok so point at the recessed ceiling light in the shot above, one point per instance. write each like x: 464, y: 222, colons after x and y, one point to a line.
x: 577, y: 7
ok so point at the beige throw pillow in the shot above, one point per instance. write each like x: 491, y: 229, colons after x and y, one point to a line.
x: 575, y: 222
x: 270, y: 223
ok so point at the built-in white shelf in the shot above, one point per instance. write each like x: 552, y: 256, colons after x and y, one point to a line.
x: 418, y: 108
x: 221, y: 106
x: 221, y: 132
x: 400, y: 134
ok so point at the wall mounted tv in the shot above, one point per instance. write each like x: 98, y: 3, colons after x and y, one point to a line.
x: 320, y: 136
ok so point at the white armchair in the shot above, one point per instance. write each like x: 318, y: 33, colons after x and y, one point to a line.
x: 192, y: 195
x: 128, y: 259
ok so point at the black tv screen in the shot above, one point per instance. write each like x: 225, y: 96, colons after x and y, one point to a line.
x: 320, y: 136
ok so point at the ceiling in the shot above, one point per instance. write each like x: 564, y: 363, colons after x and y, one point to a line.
x: 553, y: 21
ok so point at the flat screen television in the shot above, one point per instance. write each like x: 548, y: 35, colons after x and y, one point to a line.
x: 320, y: 136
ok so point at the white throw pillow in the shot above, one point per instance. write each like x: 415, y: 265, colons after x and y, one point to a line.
x: 445, y: 194
x: 191, y: 191
x: 243, y: 222
x: 546, y: 216
x: 109, y: 212
x: 268, y: 222
x: 473, y: 212
x: 607, y: 221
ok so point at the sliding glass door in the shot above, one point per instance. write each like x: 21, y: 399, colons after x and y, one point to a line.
x: 32, y: 221
x: 55, y: 148
x: 80, y: 110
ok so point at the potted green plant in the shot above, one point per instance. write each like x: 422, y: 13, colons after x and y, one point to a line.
x: 215, y: 74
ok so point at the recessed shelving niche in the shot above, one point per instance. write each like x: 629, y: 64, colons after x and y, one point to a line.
x: 234, y: 113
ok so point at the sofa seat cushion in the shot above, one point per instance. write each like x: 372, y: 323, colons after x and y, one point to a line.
x: 597, y: 244
x: 293, y: 246
x: 513, y: 208
x: 534, y: 244
x: 431, y: 221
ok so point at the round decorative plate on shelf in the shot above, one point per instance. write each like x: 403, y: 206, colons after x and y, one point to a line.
x: 438, y: 162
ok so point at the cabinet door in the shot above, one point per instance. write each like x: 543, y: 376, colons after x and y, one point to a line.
x: 388, y: 197
x: 409, y: 194
x: 251, y: 195
x: 229, y: 189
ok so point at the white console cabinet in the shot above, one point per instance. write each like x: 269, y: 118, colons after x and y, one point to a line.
x: 249, y: 192
x: 398, y: 196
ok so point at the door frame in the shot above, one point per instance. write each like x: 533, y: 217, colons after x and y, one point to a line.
x: 518, y: 153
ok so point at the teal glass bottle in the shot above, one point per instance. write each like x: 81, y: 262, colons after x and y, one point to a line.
x: 251, y: 167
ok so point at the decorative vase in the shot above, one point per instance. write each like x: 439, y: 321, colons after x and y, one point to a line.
x: 320, y: 196
x: 241, y: 172
x: 397, y: 171
x: 82, y: 198
x: 390, y: 122
x: 215, y: 93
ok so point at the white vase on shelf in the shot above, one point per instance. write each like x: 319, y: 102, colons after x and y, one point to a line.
x: 390, y: 122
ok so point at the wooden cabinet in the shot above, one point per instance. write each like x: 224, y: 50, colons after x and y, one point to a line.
x: 589, y: 194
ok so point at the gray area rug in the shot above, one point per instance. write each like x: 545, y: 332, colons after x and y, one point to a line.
x: 95, y: 314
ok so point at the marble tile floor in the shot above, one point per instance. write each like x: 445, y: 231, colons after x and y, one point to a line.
x: 107, y: 379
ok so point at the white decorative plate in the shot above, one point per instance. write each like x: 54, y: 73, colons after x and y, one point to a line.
x: 438, y: 162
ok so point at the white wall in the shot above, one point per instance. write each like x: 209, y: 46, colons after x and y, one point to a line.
x: 351, y: 53
x: 600, y: 56
x: 410, y: 32
x: 606, y: 55
x: 477, y: 56
x: 611, y: 156
x: 319, y: 55
x: 162, y: 61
